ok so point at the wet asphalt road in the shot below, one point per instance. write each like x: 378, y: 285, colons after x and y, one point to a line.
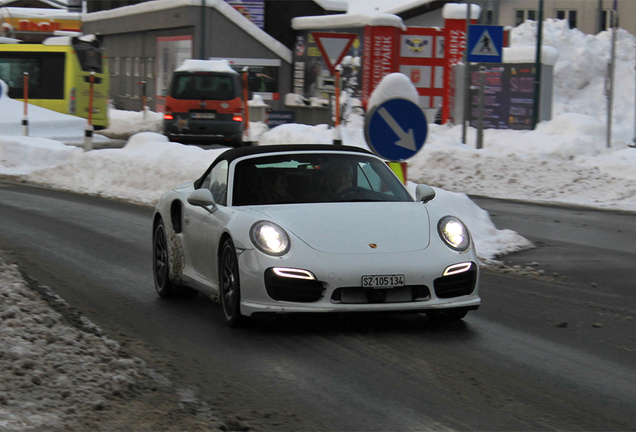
x: 539, y: 354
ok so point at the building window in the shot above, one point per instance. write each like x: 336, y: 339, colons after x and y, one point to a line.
x: 521, y: 15
x: 128, y: 74
x: 138, y: 76
x: 569, y: 15
x: 149, y: 68
x: 113, y: 66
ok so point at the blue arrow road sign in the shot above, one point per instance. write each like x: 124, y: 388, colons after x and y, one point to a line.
x: 485, y: 44
x: 396, y: 129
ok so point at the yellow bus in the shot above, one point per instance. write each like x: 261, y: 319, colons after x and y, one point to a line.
x: 59, y: 75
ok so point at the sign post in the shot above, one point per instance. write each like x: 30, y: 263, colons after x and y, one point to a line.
x: 246, y: 100
x: 25, y: 119
x: 88, y: 132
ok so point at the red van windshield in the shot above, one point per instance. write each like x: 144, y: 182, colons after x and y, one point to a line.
x: 203, y: 86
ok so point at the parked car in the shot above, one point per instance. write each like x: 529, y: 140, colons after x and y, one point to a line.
x: 204, y: 103
x: 312, y: 229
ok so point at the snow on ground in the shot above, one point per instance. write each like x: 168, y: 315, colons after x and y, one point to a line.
x: 563, y: 161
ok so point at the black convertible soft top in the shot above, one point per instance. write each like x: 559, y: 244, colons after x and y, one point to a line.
x: 239, y: 152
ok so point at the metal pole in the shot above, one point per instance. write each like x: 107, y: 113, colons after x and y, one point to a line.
x: 480, y: 108
x: 538, y: 63
x: 88, y: 132
x: 466, y: 77
x: 25, y: 119
x: 634, y: 140
x: 611, y: 68
x: 337, y: 140
x: 246, y: 100
x: 202, y: 30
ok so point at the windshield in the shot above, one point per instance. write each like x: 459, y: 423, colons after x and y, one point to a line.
x: 203, y: 86
x: 313, y: 178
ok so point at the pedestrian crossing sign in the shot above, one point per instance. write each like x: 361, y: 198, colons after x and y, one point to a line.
x: 485, y: 44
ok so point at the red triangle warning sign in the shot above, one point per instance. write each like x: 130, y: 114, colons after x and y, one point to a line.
x: 333, y: 47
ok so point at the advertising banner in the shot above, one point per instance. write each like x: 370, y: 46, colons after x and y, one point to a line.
x: 381, y: 47
x: 253, y: 10
x: 422, y: 59
x: 455, y: 45
x: 509, y: 96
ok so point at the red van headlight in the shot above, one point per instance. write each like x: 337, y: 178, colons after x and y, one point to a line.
x: 168, y: 116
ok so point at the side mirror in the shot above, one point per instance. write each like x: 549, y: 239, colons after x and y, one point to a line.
x: 203, y: 198
x: 424, y: 193
x: 164, y: 92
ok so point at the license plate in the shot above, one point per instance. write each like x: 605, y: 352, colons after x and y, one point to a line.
x: 202, y: 115
x: 382, y: 281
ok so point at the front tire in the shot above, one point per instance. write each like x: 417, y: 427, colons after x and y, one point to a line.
x: 230, y: 285
x: 161, y: 267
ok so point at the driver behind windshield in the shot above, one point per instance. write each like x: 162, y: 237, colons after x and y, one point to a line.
x: 339, y: 179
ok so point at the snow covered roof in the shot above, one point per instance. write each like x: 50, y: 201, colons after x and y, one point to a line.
x: 458, y: 11
x: 191, y: 65
x: 220, y: 5
x: 347, y: 21
x: 20, y: 12
x: 8, y: 40
x: 65, y: 40
x: 333, y: 5
x: 53, y: 3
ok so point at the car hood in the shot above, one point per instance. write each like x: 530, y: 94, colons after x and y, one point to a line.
x: 355, y: 227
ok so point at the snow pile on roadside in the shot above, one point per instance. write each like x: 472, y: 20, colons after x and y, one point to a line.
x: 54, y: 376
x: 23, y: 155
x: 124, y: 124
x: 42, y: 122
x: 141, y: 172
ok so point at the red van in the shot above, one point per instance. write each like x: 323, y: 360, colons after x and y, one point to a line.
x: 205, y: 104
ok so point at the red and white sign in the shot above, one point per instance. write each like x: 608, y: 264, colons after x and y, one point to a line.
x: 422, y: 60
x: 455, y: 37
x: 380, y: 57
x: 333, y: 47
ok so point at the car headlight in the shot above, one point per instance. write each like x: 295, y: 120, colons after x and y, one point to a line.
x: 454, y: 233
x: 269, y: 238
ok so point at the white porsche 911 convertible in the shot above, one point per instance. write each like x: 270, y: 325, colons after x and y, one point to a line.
x: 312, y: 228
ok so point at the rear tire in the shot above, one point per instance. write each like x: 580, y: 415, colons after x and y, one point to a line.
x: 230, y: 285
x: 161, y: 267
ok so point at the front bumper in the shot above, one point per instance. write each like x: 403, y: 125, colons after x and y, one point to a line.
x: 202, y: 130
x: 340, y: 277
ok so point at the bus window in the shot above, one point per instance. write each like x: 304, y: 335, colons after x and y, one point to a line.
x: 89, y: 55
x: 46, y: 74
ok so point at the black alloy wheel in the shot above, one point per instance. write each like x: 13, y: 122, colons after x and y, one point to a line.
x: 161, y: 268
x: 229, y: 285
x: 160, y: 264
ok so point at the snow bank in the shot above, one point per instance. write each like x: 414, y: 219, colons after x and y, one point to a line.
x: 42, y: 122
